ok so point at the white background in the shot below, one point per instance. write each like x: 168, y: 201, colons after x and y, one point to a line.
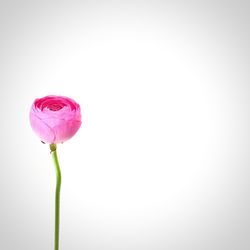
x: 162, y: 158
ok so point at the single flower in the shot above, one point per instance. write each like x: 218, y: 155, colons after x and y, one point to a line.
x: 55, y: 119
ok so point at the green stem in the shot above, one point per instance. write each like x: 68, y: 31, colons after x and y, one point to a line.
x: 57, y: 195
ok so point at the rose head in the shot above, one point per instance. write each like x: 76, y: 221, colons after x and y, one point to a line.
x: 55, y: 119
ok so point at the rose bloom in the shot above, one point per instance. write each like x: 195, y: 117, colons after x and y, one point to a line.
x: 55, y: 119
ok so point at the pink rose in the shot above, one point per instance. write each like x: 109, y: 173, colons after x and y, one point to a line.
x: 55, y: 119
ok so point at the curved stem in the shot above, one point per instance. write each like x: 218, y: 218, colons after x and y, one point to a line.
x: 57, y: 194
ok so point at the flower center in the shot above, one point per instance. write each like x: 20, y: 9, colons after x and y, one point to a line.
x: 55, y: 106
